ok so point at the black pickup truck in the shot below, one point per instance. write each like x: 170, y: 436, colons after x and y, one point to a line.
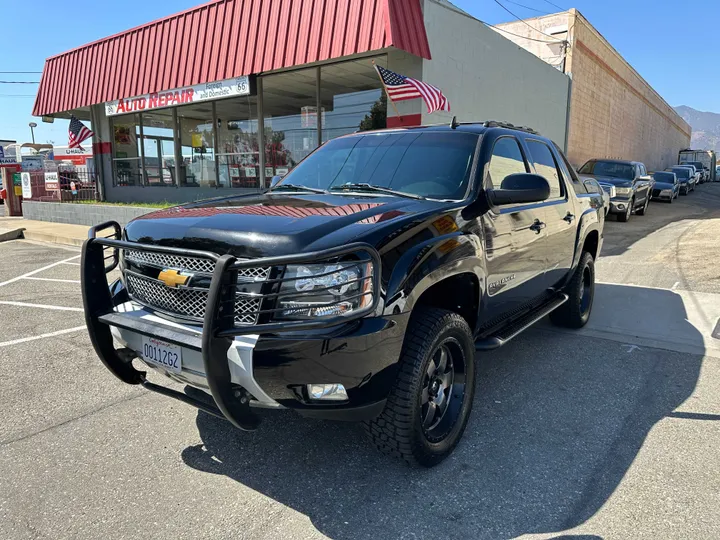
x: 359, y: 287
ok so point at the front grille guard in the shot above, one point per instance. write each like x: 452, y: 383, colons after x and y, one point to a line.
x: 219, y: 327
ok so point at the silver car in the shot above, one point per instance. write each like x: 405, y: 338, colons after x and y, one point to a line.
x: 606, y: 190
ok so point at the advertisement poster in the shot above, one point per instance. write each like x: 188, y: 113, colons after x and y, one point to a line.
x: 32, y: 163
x: 123, y: 134
x: 52, y: 182
x: 26, y: 185
x: 250, y: 172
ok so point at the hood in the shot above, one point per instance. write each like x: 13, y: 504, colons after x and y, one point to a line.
x: 262, y: 225
x: 617, y: 182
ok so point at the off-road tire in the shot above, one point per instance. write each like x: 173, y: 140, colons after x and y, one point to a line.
x: 398, y: 430
x: 572, y: 314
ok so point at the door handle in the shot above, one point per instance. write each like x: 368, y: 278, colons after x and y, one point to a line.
x: 569, y: 217
x: 537, y: 226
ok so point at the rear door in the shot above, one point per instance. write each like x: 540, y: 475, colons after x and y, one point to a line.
x: 559, y: 212
x: 515, y: 240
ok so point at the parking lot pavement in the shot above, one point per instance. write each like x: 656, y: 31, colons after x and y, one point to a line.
x: 610, y: 432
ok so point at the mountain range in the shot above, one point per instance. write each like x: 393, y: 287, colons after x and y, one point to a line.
x: 705, y: 128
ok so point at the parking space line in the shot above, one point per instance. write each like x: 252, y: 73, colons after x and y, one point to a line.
x: 53, y: 265
x: 53, y: 279
x: 40, y: 306
x: 72, y: 263
x: 41, y: 336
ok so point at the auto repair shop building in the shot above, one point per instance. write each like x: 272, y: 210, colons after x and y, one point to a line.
x: 182, y: 106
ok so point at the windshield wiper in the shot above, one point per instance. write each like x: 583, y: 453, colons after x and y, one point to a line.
x: 297, y: 187
x: 380, y: 189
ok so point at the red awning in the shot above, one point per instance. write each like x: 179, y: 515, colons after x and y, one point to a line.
x: 224, y: 39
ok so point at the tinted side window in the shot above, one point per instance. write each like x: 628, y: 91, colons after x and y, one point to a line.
x: 569, y: 172
x: 506, y: 159
x: 545, y: 166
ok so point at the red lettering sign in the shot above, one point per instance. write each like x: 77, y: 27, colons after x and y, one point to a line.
x: 153, y: 101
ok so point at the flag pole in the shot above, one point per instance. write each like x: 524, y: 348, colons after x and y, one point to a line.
x: 386, y: 92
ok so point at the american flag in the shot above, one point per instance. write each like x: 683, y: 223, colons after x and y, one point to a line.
x: 77, y: 133
x: 400, y: 87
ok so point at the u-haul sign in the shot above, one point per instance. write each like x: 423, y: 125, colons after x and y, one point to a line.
x: 239, y: 86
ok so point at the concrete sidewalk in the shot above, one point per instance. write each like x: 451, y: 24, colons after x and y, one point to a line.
x: 42, y: 231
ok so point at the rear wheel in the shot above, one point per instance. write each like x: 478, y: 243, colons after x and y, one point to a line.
x: 429, y: 406
x: 575, y: 313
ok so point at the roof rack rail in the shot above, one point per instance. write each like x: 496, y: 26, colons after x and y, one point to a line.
x: 508, y: 125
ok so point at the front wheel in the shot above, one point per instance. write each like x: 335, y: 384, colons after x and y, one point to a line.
x: 575, y: 313
x: 643, y: 210
x: 430, y: 403
x: 626, y: 216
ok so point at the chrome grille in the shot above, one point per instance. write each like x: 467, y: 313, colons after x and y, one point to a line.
x: 164, y: 260
x: 190, y: 264
x: 186, y: 302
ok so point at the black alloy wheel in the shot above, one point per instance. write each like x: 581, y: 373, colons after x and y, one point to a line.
x: 628, y: 212
x: 429, y: 405
x: 642, y: 211
x: 575, y: 313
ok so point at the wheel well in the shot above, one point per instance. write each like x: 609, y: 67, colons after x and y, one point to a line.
x: 459, y: 293
x: 591, y: 244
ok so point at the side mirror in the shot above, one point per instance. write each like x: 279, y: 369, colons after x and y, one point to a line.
x: 520, y: 188
x: 275, y: 180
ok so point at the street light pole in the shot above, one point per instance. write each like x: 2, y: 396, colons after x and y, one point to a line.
x: 32, y: 125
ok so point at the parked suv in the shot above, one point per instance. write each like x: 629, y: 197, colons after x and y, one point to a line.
x: 633, y: 186
x: 359, y: 287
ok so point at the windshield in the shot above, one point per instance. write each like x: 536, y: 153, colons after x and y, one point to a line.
x: 608, y: 168
x: 666, y: 177
x: 682, y: 172
x: 430, y: 164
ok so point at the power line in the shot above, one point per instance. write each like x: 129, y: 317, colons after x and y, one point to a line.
x: 528, y: 7
x: 555, y: 5
x: 19, y: 82
x: 521, y: 20
x: 523, y: 37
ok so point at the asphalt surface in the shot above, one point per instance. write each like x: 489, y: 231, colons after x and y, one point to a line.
x: 611, y: 432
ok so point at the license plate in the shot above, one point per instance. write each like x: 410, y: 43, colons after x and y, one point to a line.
x: 162, y: 354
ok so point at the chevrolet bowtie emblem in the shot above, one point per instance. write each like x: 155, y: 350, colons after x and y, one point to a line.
x: 172, y: 278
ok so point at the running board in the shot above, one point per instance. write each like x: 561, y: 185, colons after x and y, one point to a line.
x: 506, y: 333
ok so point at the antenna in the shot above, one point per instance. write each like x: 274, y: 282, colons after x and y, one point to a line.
x: 454, y: 123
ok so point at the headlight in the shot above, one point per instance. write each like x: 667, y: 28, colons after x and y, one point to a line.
x: 623, y: 191
x: 325, y: 290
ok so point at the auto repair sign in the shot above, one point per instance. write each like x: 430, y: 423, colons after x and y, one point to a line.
x: 238, y: 86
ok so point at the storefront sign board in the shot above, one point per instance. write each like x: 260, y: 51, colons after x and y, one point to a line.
x: 238, y: 86
x: 26, y: 185
x: 52, y: 182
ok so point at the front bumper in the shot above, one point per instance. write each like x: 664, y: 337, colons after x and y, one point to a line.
x: 264, y: 364
x: 619, y: 206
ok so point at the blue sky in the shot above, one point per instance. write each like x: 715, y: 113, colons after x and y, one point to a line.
x: 648, y: 33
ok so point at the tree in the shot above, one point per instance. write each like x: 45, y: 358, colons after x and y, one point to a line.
x: 377, y: 118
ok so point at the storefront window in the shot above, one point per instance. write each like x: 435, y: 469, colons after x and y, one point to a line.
x: 159, y: 148
x: 352, y: 98
x: 197, y: 146
x: 290, y: 116
x: 126, y: 151
x: 238, y: 153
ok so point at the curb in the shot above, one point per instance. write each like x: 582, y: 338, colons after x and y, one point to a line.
x: 11, y: 234
x: 53, y: 239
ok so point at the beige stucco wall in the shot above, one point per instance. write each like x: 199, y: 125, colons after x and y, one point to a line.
x: 614, y: 112
x: 487, y: 77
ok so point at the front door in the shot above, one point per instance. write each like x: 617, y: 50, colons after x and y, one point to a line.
x: 514, y: 237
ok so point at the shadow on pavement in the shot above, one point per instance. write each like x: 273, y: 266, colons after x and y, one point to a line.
x: 703, y: 203
x: 557, y: 422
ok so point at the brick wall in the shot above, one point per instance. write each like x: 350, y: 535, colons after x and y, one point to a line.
x: 614, y: 112
x: 81, y: 214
